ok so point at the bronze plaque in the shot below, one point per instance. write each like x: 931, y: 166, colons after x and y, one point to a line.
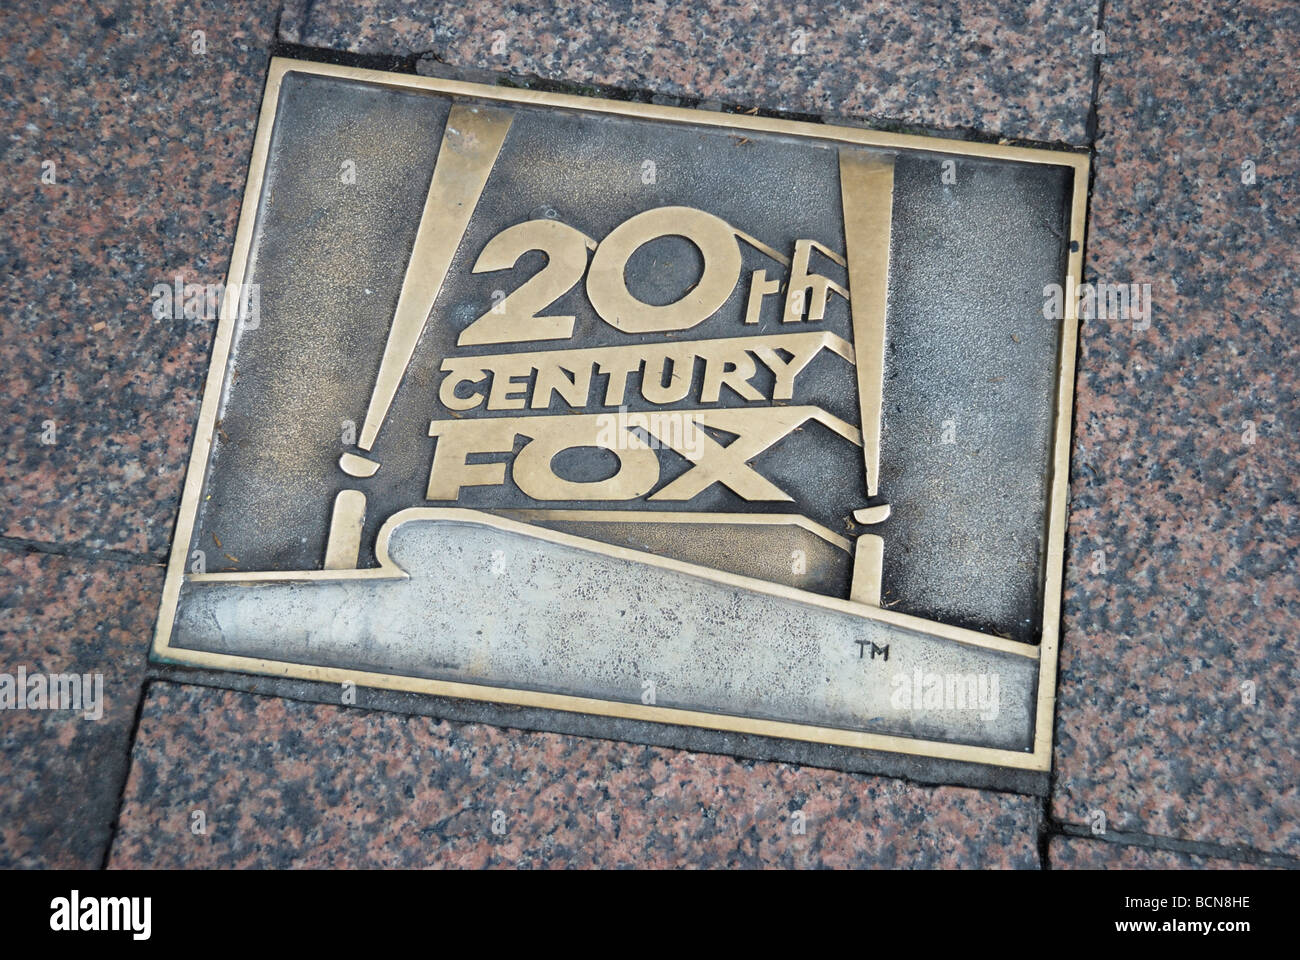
x: 659, y: 414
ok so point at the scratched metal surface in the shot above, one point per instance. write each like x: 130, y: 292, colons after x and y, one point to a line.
x: 492, y: 607
x: 966, y: 338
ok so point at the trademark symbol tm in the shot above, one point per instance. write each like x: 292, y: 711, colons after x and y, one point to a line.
x: 862, y: 649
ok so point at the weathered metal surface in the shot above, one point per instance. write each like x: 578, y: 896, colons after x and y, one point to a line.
x: 560, y: 619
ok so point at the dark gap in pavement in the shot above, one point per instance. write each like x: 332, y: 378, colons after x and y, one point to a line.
x: 1195, y: 848
x: 126, y: 771
x: 78, y: 552
x: 1090, y: 127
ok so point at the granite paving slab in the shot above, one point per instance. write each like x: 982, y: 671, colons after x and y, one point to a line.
x: 128, y: 130
x: 1003, y: 68
x: 281, y: 783
x: 1177, y: 712
x: 63, y: 769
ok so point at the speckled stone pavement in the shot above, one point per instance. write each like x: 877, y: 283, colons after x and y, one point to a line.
x: 1181, y: 588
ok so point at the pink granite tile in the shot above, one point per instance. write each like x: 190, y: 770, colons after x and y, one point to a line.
x: 288, y: 784
x: 1075, y: 853
x: 1005, y: 67
x: 62, y: 772
x: 1185, y: 457
x: 149, y: 143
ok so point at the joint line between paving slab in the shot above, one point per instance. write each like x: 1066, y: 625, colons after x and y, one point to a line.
x: 1091, y: 123
x: 126, y: 772
x: 77, y: 552
x: 1196, y: 848
x: 308, y: 6
x: 1091, y: 126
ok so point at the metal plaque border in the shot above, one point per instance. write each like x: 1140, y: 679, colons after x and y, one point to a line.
x: 1045, y: 652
